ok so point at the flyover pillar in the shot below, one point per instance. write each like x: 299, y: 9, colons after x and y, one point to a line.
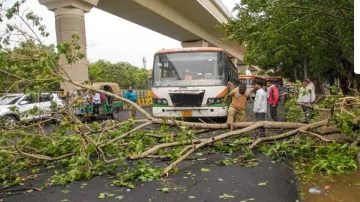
x: 69, y: 20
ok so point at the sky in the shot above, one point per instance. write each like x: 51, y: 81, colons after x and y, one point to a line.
x: 124, y: 42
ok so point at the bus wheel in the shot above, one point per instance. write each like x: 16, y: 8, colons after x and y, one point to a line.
x: 116, y: 113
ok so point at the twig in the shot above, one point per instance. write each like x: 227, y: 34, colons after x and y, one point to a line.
x: 125, y: 134
x: 316, y: 135
x: 288, y: 134
x: 161, y: 146
x: 42, y: 157
x: 211, y: 140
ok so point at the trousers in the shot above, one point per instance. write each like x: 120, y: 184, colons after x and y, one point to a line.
x: 260, y: 117
x: 273, y: 112
x: 236, y: 115
x: 132, y: 112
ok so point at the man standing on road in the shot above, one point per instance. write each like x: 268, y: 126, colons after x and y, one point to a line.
x: 96, y: 101
x: 130, y: 95
x: 272, y: 94
x: 260, y: 106
x: 237, y: 110
x: 311, y: 85
x: 306, y: 97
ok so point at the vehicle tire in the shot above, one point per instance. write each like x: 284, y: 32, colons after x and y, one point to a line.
x: 9, y: 122
x: 56, y: 118
x: 116, y: 113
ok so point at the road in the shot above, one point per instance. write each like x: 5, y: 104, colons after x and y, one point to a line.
x: 190, y: 184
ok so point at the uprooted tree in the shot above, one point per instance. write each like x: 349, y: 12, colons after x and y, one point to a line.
x: 84, y: 150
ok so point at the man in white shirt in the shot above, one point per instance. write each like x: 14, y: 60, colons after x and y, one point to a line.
x: 96, y: 101
x: 311, y: 86
x: 260, y: 104
x: 306, y: 97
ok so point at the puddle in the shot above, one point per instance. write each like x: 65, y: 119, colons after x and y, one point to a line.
x: 345, y: 187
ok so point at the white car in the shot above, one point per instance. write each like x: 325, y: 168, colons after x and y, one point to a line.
x: 16, y: 108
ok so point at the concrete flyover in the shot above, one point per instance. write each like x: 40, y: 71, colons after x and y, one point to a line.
x: 192, y: 22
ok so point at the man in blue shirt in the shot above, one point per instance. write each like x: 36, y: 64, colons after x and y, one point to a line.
x: 130, y: 95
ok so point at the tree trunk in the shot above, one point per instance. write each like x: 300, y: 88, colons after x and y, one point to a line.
x: 306, y: 68
x: 349, y: 81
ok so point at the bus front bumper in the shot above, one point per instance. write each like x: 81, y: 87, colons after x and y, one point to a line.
x: 189, y: 111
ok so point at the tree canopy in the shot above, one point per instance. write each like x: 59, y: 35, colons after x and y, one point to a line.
x: 298, y: 38
x: 28, y: 67
x: 122, y: 73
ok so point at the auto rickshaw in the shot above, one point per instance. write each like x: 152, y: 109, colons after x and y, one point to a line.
x: 110, y: 108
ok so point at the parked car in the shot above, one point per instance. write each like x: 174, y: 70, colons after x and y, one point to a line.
x: 16, y: 108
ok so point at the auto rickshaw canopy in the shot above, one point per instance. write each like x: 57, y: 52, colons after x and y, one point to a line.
x: 107, y: 86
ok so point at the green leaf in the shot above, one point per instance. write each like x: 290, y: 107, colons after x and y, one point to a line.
x: 121, y: 197
x: 165, y: 189
x: 205, y: 169
x: 102, y: 195
x: 262, y: 183
x: 65, y: 191
x: 226, y: 196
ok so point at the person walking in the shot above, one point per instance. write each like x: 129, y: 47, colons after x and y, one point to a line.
x: 237, y: 109
x: 96, y: 101
x: 130, y: 95
x: 306, y: 98
x: 272, y: 94
x: 260, y: 105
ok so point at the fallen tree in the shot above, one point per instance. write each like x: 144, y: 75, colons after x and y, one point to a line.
x: 109, y: 138
x: 84, y: 150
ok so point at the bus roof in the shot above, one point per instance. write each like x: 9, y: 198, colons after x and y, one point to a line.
x: 193, y: 49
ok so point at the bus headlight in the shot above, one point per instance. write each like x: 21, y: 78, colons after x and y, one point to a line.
x: 160, y: 101
x: 215, y: 101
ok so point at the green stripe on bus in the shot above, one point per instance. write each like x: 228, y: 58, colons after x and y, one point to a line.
x: 159, y: 105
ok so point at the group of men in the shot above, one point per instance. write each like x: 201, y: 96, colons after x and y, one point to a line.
x: 237, y: 109
x: 263, y: 99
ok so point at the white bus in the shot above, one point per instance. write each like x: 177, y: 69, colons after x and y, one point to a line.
x: 191, y: 82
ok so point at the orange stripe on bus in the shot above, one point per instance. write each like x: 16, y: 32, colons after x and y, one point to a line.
x: 223, y: 93
x: 154, y: 95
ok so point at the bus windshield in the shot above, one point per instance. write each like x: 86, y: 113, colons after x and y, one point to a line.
x: 188, y: 69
